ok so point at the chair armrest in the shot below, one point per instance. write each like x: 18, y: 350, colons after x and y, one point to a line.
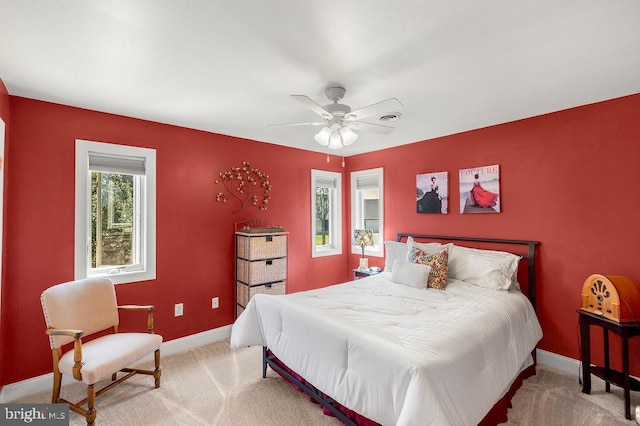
x: 136, y: 307
x: 76, y: 334
x: 148, y: 308
x: 77, y: 347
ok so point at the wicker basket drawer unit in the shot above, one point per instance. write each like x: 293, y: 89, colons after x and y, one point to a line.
x: 239, y: 310
x: 245, y: 292
x: 261, y: 271
x: 261, y: 264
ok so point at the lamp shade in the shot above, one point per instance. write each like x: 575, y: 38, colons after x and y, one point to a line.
x: 335, y: 136
x: 363, y: 237
x: 348, y: 136
x: 335, y: 141
x: 322, y: 137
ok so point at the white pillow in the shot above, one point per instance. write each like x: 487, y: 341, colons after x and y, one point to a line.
x: 393, y: 250
x: 485, y: 268
x: 410, y: 274
x: 429, y: 248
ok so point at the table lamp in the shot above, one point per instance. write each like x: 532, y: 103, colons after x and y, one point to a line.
x: 363, y: 238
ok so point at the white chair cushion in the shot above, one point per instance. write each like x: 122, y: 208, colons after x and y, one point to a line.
x: 108, y: 354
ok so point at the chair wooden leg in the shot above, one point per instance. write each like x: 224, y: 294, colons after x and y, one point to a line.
x: 157, y: 372
x: 57, y: 382
x: 91, y: 402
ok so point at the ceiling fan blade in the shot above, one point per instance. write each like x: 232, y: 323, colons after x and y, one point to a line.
x: 389, y: 105
x: 369, y: 127
x: 312, y: 105
x: 308, y: 123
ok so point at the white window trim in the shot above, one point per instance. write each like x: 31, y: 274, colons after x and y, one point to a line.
x: 337, y: 206
x: 376, y: 251
x: 83, y: 210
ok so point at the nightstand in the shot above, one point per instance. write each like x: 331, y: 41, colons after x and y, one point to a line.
x: 358, y: 273
x: 606, y: 373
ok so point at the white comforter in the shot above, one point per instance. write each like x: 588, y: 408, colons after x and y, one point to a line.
x: 396, y: 354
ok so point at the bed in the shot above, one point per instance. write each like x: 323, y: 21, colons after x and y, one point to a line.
x: 386, y: 350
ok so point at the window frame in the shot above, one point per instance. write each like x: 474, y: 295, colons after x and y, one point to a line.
x: 357, y: 211
x: 147, y: 209
x: 335, y: 230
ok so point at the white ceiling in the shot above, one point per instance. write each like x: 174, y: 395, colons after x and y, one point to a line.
x: 229, y: 66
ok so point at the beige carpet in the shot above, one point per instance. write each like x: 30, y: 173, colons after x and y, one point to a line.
x: 213, y: 385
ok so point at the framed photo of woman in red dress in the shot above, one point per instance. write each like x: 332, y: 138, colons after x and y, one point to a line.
x: 480, y: 190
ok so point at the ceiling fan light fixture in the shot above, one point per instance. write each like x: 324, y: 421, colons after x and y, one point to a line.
x: 348, y: 136
x: 340, y: 120
x: 322, y: 137
x: 335, y: 141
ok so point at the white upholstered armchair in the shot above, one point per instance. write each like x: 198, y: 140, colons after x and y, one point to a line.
x: 78, y: 309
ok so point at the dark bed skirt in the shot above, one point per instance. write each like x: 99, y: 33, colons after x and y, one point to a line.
x: 497, y: 414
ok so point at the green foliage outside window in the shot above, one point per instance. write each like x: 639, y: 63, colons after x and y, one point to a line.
x: 112, y: 219
x: 322, y: 214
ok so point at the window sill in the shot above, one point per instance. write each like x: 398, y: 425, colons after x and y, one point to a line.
x: 126, y: 277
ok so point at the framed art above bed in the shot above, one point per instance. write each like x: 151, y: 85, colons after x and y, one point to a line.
x: 480, y: 189
x: 432, y: 193
x: 400, y: 348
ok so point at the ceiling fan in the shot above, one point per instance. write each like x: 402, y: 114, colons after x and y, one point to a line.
x: 340, y: 121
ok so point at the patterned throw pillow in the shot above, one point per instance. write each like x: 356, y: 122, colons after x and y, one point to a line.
x: 437, y: 261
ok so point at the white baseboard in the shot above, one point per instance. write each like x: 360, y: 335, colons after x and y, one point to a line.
x: 559, y: 362
x: 38, y: 384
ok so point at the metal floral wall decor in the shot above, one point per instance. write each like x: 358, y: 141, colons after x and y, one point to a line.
x: 247, y: 185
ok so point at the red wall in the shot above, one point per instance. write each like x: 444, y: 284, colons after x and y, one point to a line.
x: 570, y: 180
x: 194, y: 233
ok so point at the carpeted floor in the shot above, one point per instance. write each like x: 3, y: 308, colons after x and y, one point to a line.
x: 213, y: 385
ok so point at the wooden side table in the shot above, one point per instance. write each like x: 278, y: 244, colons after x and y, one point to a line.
x: 625, y: 331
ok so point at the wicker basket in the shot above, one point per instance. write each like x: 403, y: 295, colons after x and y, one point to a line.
x: 239, y: 310
x: 261, y: 271
x: 245, y: 292
x: 254, y: 247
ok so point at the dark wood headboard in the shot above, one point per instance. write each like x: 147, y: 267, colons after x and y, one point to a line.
x: 530, y: 256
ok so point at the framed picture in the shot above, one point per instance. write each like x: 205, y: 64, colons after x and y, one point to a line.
x: 432, y: 193
x: 480, y: 190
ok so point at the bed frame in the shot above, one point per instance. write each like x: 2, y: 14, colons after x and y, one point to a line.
x: 327, y: 403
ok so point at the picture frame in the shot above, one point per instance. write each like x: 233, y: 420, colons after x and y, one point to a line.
x: 432, y: 193
x: 480, y: 190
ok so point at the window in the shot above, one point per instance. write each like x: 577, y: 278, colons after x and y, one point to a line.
x: 115, y: 212
x: 326, y: 213
x: 367, y: 208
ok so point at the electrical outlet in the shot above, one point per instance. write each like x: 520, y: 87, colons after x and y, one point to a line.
x: 215, y: 303
x: 177, y: 311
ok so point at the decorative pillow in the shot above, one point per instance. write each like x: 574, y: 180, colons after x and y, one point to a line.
x: 393, y: 250
x: 410, y: 274
x: 437, y: 262
x: 485, y: 268
x: 428, y: 248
